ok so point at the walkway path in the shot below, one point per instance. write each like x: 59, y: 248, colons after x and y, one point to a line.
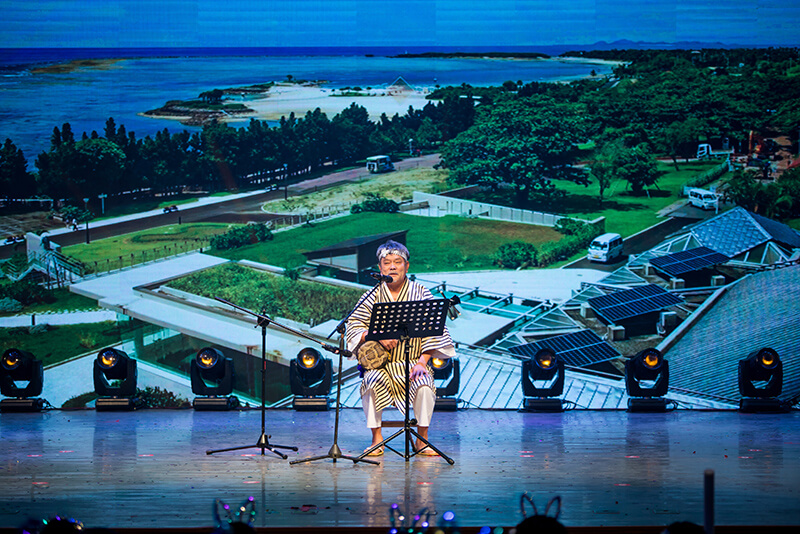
x: 76, y: 317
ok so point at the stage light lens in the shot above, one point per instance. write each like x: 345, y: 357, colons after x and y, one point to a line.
x: 207, y: 358
x: 108, y: 359
x: 652, y: 360
x: 438, y: 363
x: 768, y: 358
x: 308, y: 358
x: 11, y: 360
x: 545, y: 359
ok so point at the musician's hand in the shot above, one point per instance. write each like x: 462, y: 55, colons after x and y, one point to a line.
x: 418, y: 371
x: 389, y: 344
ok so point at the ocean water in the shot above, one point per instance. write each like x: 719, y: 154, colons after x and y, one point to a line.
x: 32, y: 104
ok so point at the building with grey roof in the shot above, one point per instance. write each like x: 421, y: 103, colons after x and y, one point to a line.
x: 759, y: 310
x: 749, y: 239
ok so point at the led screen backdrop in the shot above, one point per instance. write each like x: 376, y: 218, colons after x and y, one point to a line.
x: 109, y: 109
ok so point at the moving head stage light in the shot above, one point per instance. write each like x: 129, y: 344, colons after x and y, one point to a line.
x: 443, y: 369
x: 20, y: 366
x: 545, y: 366
x: 646, y: 381
x: 114, y: 376
x: 310, y: 379
x: 212, y: 377
x: 764, y: 367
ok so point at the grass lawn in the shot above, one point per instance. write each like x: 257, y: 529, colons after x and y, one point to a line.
x: 397, y: 186
x: 625, y: 213
x: 437, y: 244
x: 64, y: 301
x: 280, y: 296
x: 61, y: 342
x: 145, y: 244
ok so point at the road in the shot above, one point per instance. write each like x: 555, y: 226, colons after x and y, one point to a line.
x: 238, y: 210
x: 637, y: 244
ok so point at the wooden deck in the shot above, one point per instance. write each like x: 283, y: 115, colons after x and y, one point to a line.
x: 149, y: 469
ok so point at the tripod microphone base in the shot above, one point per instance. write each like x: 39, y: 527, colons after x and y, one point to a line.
x: 334, y: 454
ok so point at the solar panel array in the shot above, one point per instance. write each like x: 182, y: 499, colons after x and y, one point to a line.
x: 578, y: 349
x: 633, y: 302
x: 688, y: 261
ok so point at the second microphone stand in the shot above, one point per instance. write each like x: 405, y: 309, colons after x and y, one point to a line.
x: 335, y: 452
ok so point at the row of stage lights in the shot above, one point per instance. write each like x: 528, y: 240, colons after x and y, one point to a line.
x: 310, y: 379
x: 760, y: 378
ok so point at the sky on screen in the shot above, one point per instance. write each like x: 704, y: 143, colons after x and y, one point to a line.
x: 364, y: 23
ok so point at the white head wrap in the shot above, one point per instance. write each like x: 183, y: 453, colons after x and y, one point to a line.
x: 392, y: 247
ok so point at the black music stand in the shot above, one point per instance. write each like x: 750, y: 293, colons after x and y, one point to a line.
x: 406, y: 320
x: 263, y: 441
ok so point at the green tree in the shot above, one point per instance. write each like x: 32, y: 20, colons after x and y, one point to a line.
x: 602, y: 167
x: 351, y: 131
x: 428, y: 134
x: 212, y: 97
x: 637, y: 167
x: 15, y: 180
x: 523, y: 143
x: 314, y: 138
x: 682, y: 137
x: 98, y: 167
x: 776, y: 200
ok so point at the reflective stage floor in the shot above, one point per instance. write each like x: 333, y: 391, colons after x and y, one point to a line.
x: 149, y: 469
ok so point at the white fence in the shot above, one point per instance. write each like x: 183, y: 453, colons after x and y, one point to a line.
x: 438, y: 205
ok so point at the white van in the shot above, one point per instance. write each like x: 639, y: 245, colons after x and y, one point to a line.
x: 605, y: 247
x: 703, y: 199
x: 379, y: 164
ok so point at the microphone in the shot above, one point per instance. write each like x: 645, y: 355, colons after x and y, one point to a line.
x: 452, y: 311
x: 382, y: 277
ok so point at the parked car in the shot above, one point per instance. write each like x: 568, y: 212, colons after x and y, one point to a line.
x: 605, y: 247
x: 703, y: 199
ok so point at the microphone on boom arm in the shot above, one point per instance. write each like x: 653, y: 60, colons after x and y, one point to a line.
x: 382, y: 277
x: 452, y: 311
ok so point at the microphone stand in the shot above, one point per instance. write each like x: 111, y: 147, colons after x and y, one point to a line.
x: 263, y: 441
x: 335, y: 452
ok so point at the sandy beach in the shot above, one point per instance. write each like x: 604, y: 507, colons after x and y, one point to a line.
x: 283, y: 99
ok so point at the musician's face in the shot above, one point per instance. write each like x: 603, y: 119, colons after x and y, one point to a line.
x: 394, y: 266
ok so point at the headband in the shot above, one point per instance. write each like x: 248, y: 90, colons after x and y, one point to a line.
x: 392, y: 247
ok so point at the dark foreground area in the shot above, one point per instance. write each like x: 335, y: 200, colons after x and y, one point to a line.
x: 615, y: 472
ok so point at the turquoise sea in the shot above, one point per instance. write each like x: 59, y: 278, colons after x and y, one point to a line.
x: 32, y: 104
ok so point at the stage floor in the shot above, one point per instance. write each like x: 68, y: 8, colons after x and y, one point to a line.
x: 149, y: 468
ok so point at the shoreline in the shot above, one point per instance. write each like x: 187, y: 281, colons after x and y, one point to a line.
x: 282, y: 99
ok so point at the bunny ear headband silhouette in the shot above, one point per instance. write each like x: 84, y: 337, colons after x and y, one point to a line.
x: 555, y: 500
x: 224, y: 515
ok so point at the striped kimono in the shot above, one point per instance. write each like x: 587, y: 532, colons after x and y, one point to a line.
x: 389, y: 382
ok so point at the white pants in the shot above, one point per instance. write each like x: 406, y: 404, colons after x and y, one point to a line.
x: 423, y: 404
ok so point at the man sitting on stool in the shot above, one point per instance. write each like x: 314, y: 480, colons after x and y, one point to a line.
x: 380, y: 388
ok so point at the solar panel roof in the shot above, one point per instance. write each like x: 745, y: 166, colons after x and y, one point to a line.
x: 577, y: 349
x: 633, y: 302
x: 731, y: 233
x: 688, y: 261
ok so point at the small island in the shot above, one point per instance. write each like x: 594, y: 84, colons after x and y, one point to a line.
x: 75, y: 64
x: 209, y: 105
